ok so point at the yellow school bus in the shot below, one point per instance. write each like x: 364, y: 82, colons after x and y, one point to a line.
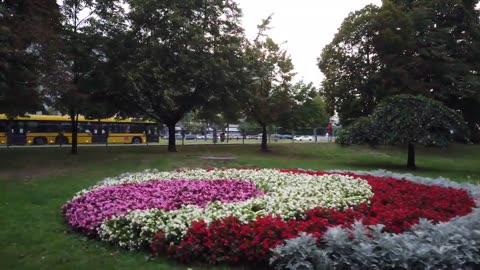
x: 56, y: 129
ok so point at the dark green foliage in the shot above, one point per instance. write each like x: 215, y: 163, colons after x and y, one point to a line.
x: 431, y: 48
x: 359, y: 132
x: 79, y: 78
x: 181, y: 56
x: 267, y: 92
x: 350, y: 66
x: 308, y: 110
x: 415, y: 119
x: 26, y: 30
x: 406, y: 120
x: 19, y: 91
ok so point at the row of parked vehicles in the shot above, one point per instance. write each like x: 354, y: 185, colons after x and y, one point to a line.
x: 295, y: 138
x: 201, y: 137
x: 247, y: 137
x: 285, y: 137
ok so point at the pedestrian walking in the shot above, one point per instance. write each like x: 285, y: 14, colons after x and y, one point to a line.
x: 329, y: 132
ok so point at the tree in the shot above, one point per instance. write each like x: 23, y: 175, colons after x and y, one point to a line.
x: 308, y: 111
x: 223, y: 107
x: 248, y: 127
x: 351, y: 66
x: 268, y: 93
x: 446, y: 59
x: 105, y: 75
x: 19, y: 91
x: 79, y: 59
x: 179, y: 58
x: 406, y: 47
x: 27, y: 29
x: 406, y: 120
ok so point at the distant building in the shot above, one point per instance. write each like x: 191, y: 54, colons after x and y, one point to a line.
x: 233, y: 128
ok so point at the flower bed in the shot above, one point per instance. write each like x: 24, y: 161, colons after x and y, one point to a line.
x: 238, y: 215
x: 426, y: 245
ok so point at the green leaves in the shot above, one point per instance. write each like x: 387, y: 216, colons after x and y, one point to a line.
x: 308, y: 109
x: 26, y: 31
x: 405, y: 47
x: 351, y: 65
x: 267, y: 93
x: 184, y: 56
x: 405, y: 119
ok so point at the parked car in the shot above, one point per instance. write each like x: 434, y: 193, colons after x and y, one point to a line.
x: 287, y: 137
x: 276, y: 136
x: 303, y: 138
x: 200, y: 137
x: 234, y: 135
x: 210, y: 136
x: 190, y: 137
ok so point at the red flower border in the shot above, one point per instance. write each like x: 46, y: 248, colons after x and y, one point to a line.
x: 397, y: 203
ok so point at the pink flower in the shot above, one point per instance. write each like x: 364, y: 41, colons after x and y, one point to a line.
x: 87, y: 212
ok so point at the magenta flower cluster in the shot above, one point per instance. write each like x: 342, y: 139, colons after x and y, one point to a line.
x: 87, y: 212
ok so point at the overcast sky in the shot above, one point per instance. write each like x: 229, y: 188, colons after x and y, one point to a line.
x: 306, y: 25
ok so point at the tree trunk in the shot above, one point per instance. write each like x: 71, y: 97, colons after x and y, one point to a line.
x: 214, y: 135
x: 74, y: 122
x: 9, y: 131
x: 411, y: 156
x: 228, y: 132
x: 171, y: 138
x: 73, y: 114
x: 263, y: 146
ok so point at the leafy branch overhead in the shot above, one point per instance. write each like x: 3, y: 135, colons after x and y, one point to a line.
x: 27, y: 32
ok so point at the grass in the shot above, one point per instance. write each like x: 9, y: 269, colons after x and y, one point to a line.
x: 35, y: 182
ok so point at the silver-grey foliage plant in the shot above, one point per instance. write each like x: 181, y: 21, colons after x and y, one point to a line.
x: 446, y: 245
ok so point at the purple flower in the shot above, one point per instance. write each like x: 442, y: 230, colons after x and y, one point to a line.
x: 87, y: 212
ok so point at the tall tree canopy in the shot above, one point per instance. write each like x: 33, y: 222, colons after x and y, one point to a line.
x: 429, y: 48
x: 308, y: 110
x: 180, y: 56
x: 406, y: 120
x: 268, y: 91
x: 349, y: 63
x: 80, y: 58
x: 27, y: 28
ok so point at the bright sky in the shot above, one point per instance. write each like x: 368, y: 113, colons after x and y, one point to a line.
x: 306, y: 26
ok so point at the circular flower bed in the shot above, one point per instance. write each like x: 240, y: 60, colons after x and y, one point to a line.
x: 236, y: 215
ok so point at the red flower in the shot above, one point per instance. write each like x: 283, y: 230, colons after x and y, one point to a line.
x: 398, y: 204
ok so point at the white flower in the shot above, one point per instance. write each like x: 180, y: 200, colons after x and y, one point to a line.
x: 287, y: 194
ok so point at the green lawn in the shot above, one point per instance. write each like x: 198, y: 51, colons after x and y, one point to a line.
x: 35, y: 182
